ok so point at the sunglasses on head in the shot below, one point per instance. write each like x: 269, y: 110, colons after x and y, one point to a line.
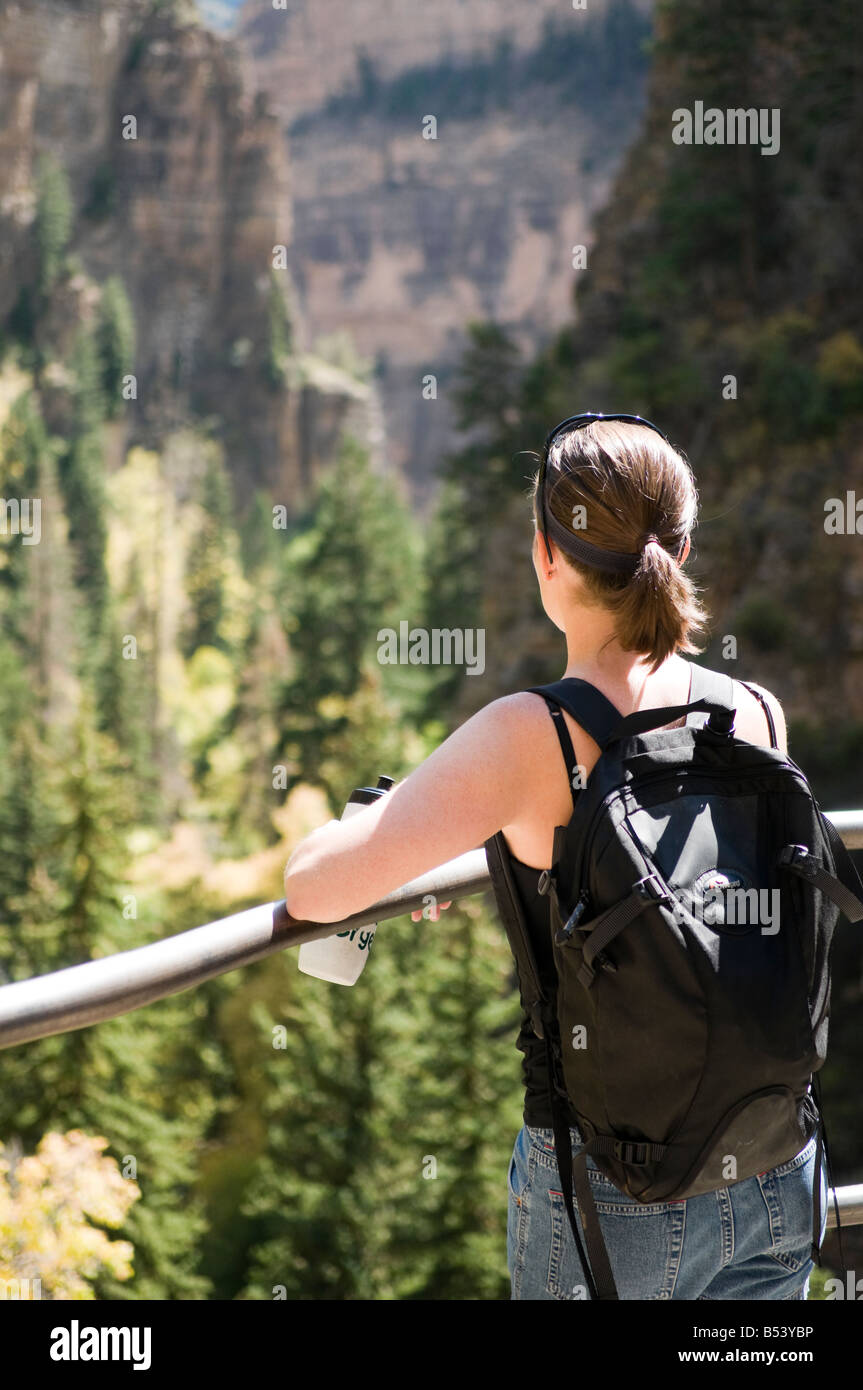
x: 615, y: 560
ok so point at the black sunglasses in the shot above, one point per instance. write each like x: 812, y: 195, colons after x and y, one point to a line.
x: 574, y: 422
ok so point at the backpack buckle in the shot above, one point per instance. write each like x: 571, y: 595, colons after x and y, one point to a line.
x: 652, y: 888
x: 544, y: 882
x: 800, y: 859
x: 561, y: 937
x: 721, y: 722
x: 628, y: 1151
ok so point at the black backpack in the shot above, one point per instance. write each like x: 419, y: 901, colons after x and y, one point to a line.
x: 693, y: 899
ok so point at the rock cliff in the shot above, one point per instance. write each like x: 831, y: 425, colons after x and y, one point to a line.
x: 402, y: 239
x: 181, y: 187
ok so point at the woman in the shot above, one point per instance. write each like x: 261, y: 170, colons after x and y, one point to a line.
x: 614, y: 507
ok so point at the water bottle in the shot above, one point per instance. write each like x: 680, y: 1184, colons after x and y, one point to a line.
x: 339, y: 959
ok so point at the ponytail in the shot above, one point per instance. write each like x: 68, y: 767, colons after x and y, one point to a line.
x: 638, y: 495
x: 657, y: 610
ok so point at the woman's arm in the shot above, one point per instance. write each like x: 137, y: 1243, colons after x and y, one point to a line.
x: 467, y: 790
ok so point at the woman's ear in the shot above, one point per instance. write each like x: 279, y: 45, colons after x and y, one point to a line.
x: 541, y: 563
x: 685, y: 552
x: 537, y: 551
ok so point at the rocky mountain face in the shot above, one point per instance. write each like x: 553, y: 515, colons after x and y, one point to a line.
x: 402, y: 239
x: 722, y: 302
x: 181, y: 187
x: 312, y: 49
x: 184, y: 179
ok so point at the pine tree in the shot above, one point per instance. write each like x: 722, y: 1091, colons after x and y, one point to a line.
x: 280, y: 332
x: 350, y: 574
x: 451, y: 586
x: 452, y: 1120
x: 23, y: 450
x: 115, y: 337
x: 205, y: 570
x: 317, y: 1231
x: 29, y: 935
x: 390, y: 1111
x: 81, y: 473
x: 69, y: 901
x: 54, y: 219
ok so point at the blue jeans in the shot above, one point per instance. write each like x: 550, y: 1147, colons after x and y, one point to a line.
x: 751, y: 1240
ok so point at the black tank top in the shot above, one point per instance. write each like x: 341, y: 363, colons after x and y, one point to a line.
x: 534, y: 1067
x: 537, y: 1111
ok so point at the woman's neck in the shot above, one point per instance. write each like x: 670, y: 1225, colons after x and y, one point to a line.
x: 596, y: 656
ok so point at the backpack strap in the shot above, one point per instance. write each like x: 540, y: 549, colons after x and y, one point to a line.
x: 647, y: 892
x: 845, y: 866
x: 843, y: 888
x: 713, y: 686
x: 593, y: 710
x: 846, y: 891
x: 816, y: 1186
x: 512, y: 914
x: 565, y: 744
x: 768, y: 713
x: 597, y: 1271
x: 710, y: 693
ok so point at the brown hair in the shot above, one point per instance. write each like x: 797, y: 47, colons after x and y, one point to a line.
x: 631, y: 486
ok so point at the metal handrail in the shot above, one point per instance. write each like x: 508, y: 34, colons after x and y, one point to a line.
x: 850, y: 1200
x: 97, y: 990
x: 100, y: 989
x: 850, y: 827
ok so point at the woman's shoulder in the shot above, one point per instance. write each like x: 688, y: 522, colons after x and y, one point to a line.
x: 775, y: 709
x: 516, y: 731
x: 523, y: 716
x: 515, y: 714
x: 751, y: 719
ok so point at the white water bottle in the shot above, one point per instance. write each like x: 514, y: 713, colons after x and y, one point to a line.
x: 339, y: 959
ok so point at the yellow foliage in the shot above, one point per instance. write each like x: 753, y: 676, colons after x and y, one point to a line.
x: 46, y: 1203
x: 186, y: 856
x: 840, y: 359
x: 13, y: 383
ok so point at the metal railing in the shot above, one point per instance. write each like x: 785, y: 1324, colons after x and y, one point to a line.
x: 97, y: 990
x: 101, y: 989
